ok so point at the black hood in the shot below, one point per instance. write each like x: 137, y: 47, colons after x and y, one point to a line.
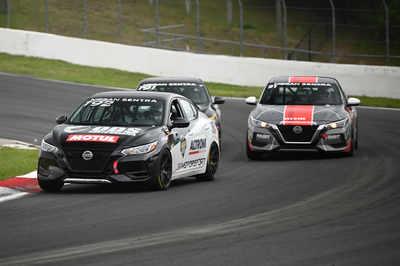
x: 101, y: 137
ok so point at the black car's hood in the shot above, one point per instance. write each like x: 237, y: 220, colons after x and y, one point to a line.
x: 101, y: 137
x: 299, y: 114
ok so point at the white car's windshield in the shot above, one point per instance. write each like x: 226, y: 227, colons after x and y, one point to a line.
x: 295, y: 94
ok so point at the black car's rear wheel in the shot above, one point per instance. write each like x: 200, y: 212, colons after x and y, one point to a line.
x: 164, y: 176
x: 212, y: 164
x: 51, y: 186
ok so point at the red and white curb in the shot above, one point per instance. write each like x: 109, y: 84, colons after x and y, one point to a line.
x: 19, y: 186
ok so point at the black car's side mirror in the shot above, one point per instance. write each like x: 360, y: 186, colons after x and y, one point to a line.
x: 219, y: 100
x: 180, y: 122
x: 61, y: 119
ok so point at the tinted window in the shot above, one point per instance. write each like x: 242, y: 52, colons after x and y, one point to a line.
x: 194, y: 91
x: 301, y: 94
x: 119, y: 111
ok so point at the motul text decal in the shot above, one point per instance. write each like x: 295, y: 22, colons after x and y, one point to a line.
x: 303, y: 79
x: 298, y: 115
x: 98, y: 138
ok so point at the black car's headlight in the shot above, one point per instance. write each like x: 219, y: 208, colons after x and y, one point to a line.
x: 258, y: 123
x: 140, y: 149
x: 338, y: 124
x: 48, y: 147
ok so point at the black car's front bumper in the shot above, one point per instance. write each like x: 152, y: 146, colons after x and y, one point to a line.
x: 106, y: 167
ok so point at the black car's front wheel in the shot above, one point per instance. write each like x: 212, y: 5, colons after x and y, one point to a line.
x: 164, y: 176
x: 51, y: 186
x: 212, y: 164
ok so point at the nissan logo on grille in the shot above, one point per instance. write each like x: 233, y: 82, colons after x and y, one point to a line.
x: 87, y: 155
x: 297, y: 129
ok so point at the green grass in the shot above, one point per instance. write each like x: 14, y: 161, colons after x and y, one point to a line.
x: 14, y: 162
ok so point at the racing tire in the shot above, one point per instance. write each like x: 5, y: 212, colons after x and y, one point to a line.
x: 252, y: 155
x: 212, y: 164
x: 51, y: 186
x: 164, y: 175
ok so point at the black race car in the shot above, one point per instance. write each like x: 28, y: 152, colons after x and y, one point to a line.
x: 302, y: 114
x: 192, y: 88
x: 130, y: 137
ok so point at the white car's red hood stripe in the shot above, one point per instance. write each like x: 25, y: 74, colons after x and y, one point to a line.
x: 298, y: 115
x: 303, y: 79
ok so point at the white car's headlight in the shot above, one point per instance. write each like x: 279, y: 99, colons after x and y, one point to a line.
x: 48, y: 147
x: 140, y: 149
x: 338, y: 124
x: 258, y: 123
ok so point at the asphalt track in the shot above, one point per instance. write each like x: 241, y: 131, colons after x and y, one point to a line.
x: 287, y: 209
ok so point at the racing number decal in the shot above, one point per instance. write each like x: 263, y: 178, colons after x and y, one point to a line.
x: 298, y: 115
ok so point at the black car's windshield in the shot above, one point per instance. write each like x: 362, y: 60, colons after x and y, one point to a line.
x: 119, y: 111
x: 194, y: 91
x: 301, y: 94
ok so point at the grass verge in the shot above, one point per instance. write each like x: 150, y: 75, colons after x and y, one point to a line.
x: 14, y: 162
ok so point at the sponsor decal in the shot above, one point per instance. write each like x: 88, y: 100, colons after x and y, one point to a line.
x: 303, y: 79
x: 152, y: 86
x: 192, y: 163
x: 96, y: 138
x: 183, y: 146
x: 76, y: 129
x: 263, y: 136
x: 197, y: 146
x: 331, y: 137
x: 129, y: 131
x: 298, y: 115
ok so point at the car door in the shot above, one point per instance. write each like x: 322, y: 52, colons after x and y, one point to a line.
x: 189, y: 157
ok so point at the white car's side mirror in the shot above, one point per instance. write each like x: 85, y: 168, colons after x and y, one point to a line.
x: 251, y: 100
x: 353, y: 102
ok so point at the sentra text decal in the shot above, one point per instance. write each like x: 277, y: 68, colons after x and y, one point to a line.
x: 106, y: 102
x: 298, y: 115
x: 97, y: 138
x: 197, y: 146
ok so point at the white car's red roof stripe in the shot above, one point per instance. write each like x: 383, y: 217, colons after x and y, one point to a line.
x: 298, y: 115
x: 303, y: 79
